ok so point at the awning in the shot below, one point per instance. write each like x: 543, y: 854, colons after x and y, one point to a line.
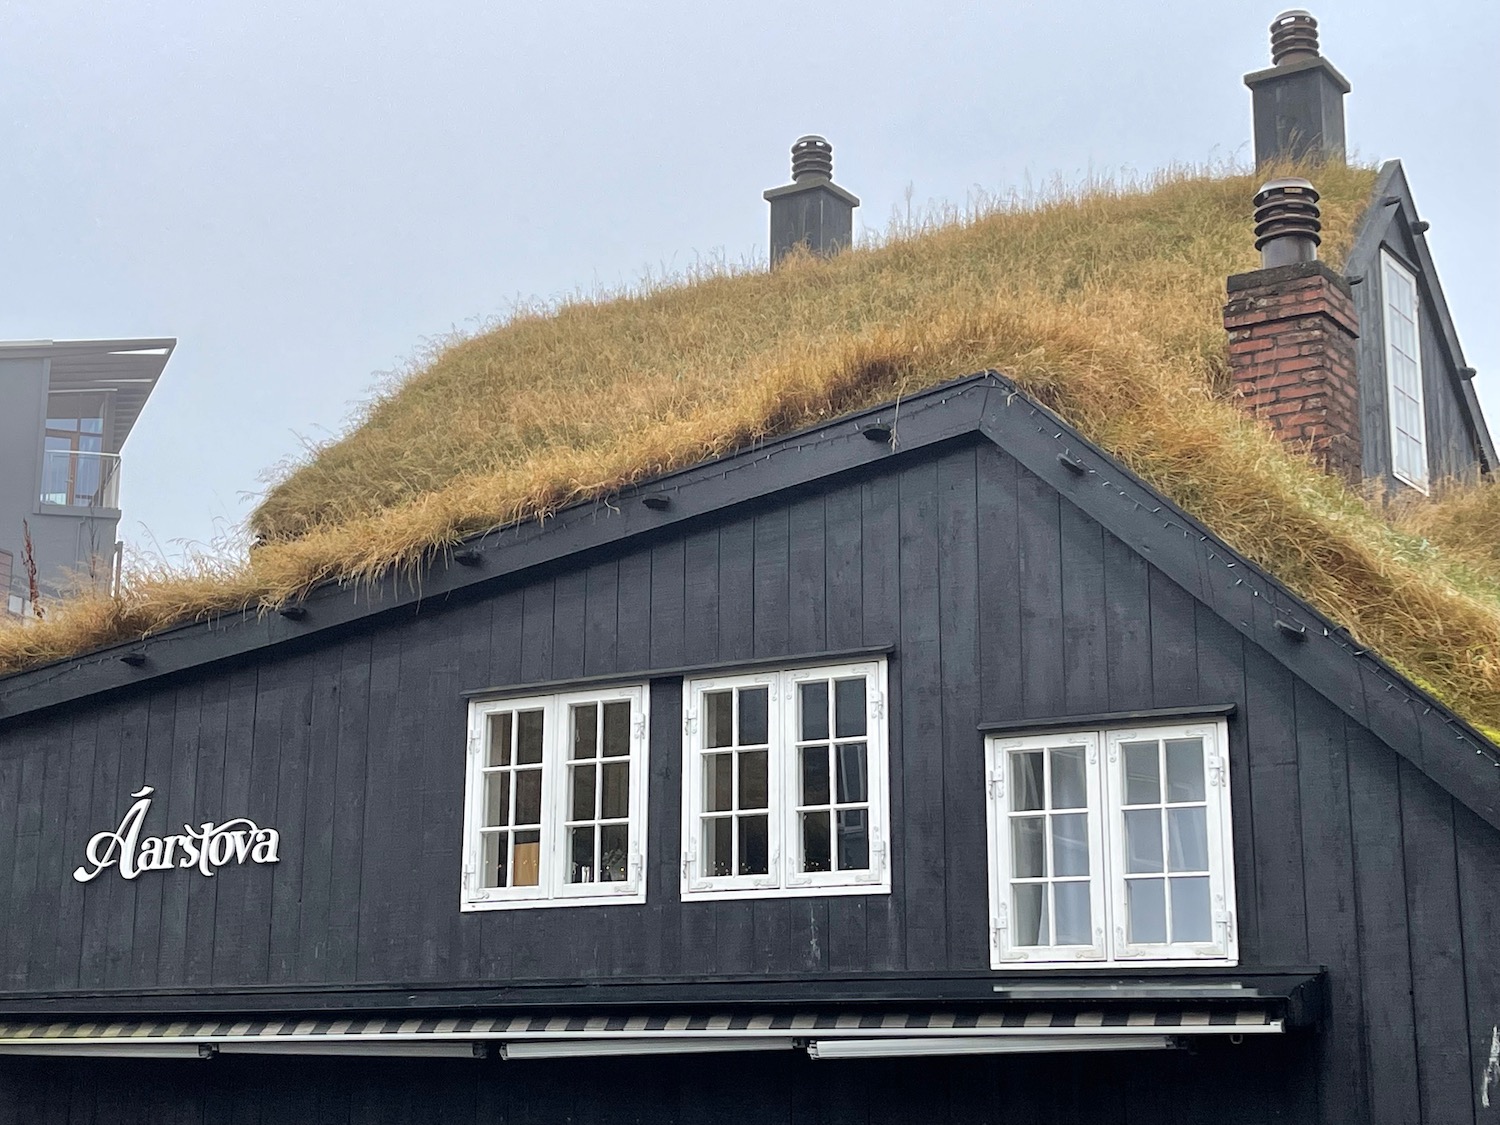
x: 907, y: 1031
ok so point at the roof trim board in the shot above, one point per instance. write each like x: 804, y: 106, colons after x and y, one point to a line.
x: 1357, y: 681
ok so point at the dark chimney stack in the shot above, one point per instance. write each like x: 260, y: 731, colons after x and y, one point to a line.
x: 1298, y: 104
x: 812, y: 210
x: 1292, y: 334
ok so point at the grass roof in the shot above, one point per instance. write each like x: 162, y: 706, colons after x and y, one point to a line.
x: 1104, y: 303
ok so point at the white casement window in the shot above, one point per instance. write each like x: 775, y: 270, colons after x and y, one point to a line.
x: 556, y: 799
x: 1111, y: 846
x: 1403, y: 370
x: 785, y: 786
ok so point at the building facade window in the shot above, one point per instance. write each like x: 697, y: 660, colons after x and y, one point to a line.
x: 555, y: 800
x: 1403, y: 371
x: 1111, y: 846
x: 785, y: 783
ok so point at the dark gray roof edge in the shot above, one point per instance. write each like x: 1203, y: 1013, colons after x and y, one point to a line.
x: 1391, y: 181
x: 505, y: 553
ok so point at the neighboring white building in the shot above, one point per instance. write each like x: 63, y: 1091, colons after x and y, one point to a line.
x: 66, y: 409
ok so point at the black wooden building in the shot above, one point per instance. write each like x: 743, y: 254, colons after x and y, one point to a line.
x: 987, y: 598
x: 924, y: 766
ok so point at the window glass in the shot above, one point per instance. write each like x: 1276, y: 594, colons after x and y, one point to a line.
x: 555, y: 814
x: 1403, y: 361
x: 1115, y: 856
x: 784, y: 786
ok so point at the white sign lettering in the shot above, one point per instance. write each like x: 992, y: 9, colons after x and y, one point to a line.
x: 206, y: 847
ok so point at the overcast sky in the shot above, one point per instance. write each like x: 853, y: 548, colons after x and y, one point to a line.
x: 303, y: 193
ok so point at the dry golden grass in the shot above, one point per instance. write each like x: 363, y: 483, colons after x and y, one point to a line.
x: 1104, y: 303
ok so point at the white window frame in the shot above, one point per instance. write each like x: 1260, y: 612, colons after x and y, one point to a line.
x: 553, y: 887
x: 1389, y: 265
x: 783, y: 878
x: 1105, y: 781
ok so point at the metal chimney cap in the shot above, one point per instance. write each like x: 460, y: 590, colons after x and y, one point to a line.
x: 812, y: 155
x: 1294, y: 37
x: 1287, y: 222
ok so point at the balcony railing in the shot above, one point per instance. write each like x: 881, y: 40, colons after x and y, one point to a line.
x: 79, y: 479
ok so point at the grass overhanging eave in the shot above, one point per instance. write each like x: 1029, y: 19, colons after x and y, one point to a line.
x: 1103, y: 303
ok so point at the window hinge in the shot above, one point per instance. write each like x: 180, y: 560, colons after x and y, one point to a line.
x: 690, y: 723
x: 997, y: 783
x: 877, y: 705
x: 639, y: 727
x: 476, y: 742
x: 689, y: 861
x: 880, y: 857
x: 635, y: 866
x: 1215, y: 770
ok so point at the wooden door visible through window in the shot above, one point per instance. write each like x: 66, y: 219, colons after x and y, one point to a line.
x: 72, y: 472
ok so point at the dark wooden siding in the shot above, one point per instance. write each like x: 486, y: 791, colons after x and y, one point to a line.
x: 1003, y: 601
x: 1451, y: 448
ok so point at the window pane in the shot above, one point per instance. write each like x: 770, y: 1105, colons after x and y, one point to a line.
x: 586, y: 730
x: 1142, y: 773
x: 1071, y: 902
x: 718, y: 782
x: 500, y: 739
x: 852, y: 778
x: 753, y: 716
x: 492, y: 873
x: 528, y: 798
x: 814, y: 709
x: 754, y: 852
x: 1028, y: 849
x: 614, y: 853
x: 582, y: 867
x: 849, y: 707
x: 1026, y: 780
x: 1185, y: 769
x: 616, y: 797
x: 753, y: 780
x: 1187, y: 839
x: 1030, y: 905
x: 616, y: 729
x: 815, y: 774
x: 854, y: 840
x: 1070, y: 845
x: 718, y: 846
x: 1143, y: 840
x: 583, y: 792
x: 529, y: 737
x: 1191, y: 919
x: 1068, y: 789
x: 497, y: 799
x: 815, y: 849
x: 528, y: 859
x: 718, y: 718
x: 1146, y: 901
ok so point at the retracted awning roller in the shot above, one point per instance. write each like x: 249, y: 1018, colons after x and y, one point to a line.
x: 827, y: 1034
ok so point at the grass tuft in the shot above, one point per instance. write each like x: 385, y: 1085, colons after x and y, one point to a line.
x: 1103, y: 302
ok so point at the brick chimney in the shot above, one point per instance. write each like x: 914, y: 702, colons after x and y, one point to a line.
x: 1292, y: 332
x: 812, y: 210
x: 1298, y: 103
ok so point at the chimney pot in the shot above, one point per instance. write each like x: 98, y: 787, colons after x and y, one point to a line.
x: 1294, y: 35
x: 812, y: 156
x: 1287, y: 222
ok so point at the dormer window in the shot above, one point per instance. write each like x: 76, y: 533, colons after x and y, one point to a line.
x: 1403, y: 372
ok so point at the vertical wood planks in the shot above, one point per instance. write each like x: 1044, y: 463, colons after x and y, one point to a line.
x: 1389, y: 1035
x: 965, y: 859
x: 1444, y: 1073
x: 921, y: 780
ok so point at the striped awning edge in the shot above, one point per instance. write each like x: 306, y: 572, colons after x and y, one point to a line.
x: 521, y: 1028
